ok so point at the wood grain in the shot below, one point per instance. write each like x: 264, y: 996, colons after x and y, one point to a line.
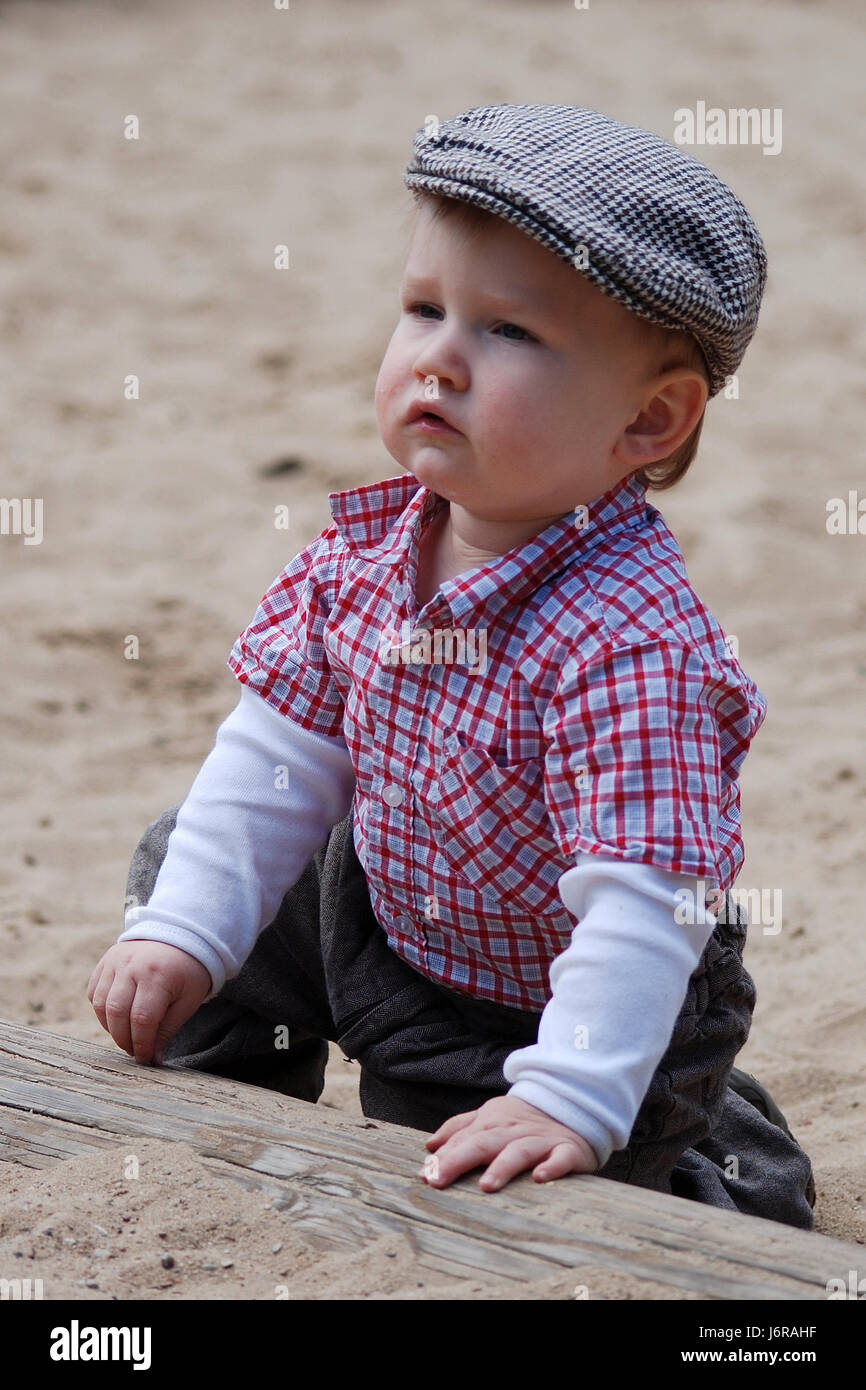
x: 347, y: 1181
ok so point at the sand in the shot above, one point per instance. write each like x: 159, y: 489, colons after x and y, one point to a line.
x: 154, y: 258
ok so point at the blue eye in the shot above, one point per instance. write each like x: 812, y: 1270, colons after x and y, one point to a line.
x: 416, y: 309
x: 506, y: 330
x: 526, y: 336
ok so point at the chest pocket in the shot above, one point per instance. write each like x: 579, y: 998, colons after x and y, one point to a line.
x: 490, y: 822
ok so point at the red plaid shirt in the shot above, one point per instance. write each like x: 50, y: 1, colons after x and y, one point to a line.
x: 585, y: 700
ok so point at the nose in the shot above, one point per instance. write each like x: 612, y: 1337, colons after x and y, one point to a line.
x: 443, y: 355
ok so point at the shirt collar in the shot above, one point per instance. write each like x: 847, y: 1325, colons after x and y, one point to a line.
x: 379, y: 522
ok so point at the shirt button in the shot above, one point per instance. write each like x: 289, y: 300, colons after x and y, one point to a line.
x: 393, y: 795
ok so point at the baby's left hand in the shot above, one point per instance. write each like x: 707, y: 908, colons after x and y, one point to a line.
x: 512, y: 1133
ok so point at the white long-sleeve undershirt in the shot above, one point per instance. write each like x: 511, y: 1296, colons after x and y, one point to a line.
x: 245, y: 833
x: 616, y: 992
x: 263, y: 802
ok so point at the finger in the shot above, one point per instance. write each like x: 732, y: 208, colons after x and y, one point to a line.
x: 100, y: 994
x: 117, y: 1006
x: 564, y: 1158
x: 514, y: 1158
x: 149, y: 1008
x: 450, y: 1127
x: 175, y: 1018
x: 460, y: 1154
x: 94, y: 980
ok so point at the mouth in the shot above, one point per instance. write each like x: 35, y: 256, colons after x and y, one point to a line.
x: 429, y: 421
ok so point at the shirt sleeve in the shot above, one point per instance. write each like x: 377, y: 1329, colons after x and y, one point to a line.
x: 261, y: 805
x: 644, y: 746
x: 616, y: 993
x: 282, y: 653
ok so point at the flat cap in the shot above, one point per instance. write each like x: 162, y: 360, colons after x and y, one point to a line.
x: 648, y: 224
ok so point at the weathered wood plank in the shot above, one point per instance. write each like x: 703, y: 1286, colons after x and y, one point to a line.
x: 347, y: 1181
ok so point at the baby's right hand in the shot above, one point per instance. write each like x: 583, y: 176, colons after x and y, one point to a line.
x: 143, y: 991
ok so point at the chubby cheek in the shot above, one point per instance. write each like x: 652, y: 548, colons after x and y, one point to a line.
x: 384, y: 391
x: 389, y: 398
x: 514, y: 418
x: 546, y: 413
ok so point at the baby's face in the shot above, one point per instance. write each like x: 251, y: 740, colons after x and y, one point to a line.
x: 538, y: 371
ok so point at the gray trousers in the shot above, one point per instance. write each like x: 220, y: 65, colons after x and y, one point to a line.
x: 323, y: 970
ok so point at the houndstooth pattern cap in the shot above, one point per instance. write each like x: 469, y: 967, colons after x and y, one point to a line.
x: 645, y: 222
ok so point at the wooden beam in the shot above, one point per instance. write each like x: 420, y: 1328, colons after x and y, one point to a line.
x: 347, y: 1181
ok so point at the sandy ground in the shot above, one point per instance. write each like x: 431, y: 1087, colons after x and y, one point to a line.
x: 155, y: 258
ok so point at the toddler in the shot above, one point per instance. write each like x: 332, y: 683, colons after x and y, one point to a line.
x: 476, y: 814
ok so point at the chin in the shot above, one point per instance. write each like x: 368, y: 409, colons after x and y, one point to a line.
x: 432, y: 475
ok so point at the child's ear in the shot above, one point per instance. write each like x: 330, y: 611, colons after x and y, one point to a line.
x: 672, y: 407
